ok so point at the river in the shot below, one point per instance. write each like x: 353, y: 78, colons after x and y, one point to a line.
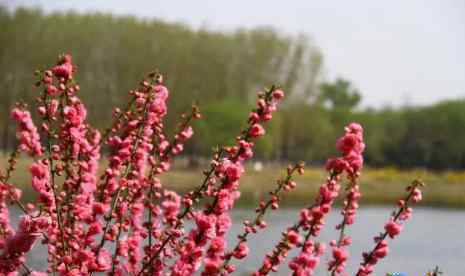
x: 432, y: 237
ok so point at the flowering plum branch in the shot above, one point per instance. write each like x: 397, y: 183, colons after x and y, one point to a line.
x: 241, y: 250
x: 117, y: 217
x: 392, y: 228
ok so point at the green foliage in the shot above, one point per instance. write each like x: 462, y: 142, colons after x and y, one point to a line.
x: 431, y: 137
x: 307, y: 133
x: 220, y: 124
x: 435, y: 136
x: 221, y: 72
x: 339, y: 95
x: 114, y: 52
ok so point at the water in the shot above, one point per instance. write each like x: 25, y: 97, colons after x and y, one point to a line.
x: 432, y: 237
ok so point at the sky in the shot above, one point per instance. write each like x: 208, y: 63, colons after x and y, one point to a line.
x: 395, y: 52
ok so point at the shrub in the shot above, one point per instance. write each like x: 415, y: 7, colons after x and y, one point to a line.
x: 79, y: 213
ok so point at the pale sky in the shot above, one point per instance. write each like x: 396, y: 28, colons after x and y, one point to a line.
x: 396, y: 52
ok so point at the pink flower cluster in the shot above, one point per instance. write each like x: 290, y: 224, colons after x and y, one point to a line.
x: 40, y: 172
x: 73, y: 152
x: 64, y: 69
x: 79, y: 210
x: 351, y: 146
x: 308, y: 259
x: 27, y: 134
x: 17, y: 244
x: 141, y: 146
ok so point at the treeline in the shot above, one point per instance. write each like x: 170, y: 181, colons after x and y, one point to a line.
x: 220, y: 71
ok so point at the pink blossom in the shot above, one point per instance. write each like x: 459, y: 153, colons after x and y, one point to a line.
x: 28, y: 232
x: 19, y: 243
x: 340, y: 254
x: 242, y: 250
x: 187, y: 133
x: 256, y: 130
x: 65, y: 68
x: 254, y: 117
x: 223, y: 224
x: 293, y: 237
x: 171, y: 205
x: 162, y: 92
x: 416, y: 195
x: 278, y: 94
x: 336, y: 164
x: 52, y: 90
x: 27, y: 134
x: 233, y: 171
x: 308, y: 259
x: 104, y: 260
x: 381, y: 251
x: 204, y: 222
x: 392, y: 228
x: 40, y: 178
x: 354, y: 128
x: 347, y: 143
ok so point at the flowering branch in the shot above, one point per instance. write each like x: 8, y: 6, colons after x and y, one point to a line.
x: 139, y: 131
x: 240, y: 250
x: 351, y: 145
x: 14, y: 194
x: 391, y: 229
x: 214, y: 221
x: 164, y: 152
x: 79, y: 211
x: 312, y: 217
x: 227, y: 170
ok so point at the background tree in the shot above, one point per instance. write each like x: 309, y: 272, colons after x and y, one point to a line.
x: 339, y: 95
x: 221, y: 71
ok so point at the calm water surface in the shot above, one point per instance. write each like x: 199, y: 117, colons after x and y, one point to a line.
x: 432, y: 237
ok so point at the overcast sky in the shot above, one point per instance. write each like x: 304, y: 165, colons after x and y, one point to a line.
x: 396, y: 52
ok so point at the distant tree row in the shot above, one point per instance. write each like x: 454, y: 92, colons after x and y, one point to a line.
x: 221, y: 72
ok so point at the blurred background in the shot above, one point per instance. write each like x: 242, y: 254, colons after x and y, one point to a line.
x: 397, y: 68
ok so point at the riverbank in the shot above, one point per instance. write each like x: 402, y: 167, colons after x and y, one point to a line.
x: 379, y: 186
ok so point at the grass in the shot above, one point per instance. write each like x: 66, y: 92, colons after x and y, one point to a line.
x: 379, y: 186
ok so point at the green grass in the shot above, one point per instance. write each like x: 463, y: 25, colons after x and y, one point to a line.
x: 379, y: 186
